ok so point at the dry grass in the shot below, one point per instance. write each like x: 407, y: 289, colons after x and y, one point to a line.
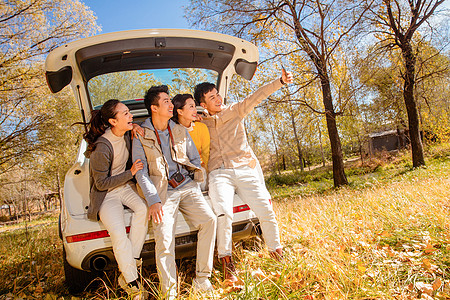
x: 386, y: 238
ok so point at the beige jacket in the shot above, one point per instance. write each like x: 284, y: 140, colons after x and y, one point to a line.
x: 157, y: 165
x: 229, y: 145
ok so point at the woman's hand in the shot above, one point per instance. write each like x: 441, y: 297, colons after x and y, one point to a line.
x: 137, y: 165
x: 136, y: 130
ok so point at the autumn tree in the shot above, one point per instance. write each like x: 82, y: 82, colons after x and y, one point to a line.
x: 127, y: 85
x: 316, y: 28
x: 396, y: 23
x: 184, y: 79
x: 28, y: 31
x: 433, y: 93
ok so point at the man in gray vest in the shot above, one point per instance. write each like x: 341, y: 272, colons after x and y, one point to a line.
x: 170, y: 160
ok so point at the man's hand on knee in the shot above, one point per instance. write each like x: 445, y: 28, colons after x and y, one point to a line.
x: 156, y: 212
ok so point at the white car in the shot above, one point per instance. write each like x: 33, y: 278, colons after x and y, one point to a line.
x: 123, y: 65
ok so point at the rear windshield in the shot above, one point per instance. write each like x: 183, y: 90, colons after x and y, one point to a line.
x: 132, y: 85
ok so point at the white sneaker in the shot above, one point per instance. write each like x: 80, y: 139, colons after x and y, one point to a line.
x: 202, y: 284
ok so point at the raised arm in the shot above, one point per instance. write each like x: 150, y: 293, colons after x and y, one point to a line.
x: 245, y: 106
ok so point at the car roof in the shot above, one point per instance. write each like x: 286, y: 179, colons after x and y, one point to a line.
x: 77, y: 62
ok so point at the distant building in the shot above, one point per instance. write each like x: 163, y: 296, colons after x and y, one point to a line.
x: 5, y: 209
x: 390, y: 140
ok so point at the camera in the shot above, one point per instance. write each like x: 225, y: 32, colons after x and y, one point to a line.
x: 176, y: 179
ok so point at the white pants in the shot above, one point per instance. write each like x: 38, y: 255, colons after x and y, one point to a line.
x: 111, y: 213
x: 204, y: 184
x: 246, y: 182
x: 189, y: 200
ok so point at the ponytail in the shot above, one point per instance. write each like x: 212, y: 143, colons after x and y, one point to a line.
x: 99, y: 123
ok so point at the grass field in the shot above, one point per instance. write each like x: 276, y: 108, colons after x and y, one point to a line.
x: 385, y: 236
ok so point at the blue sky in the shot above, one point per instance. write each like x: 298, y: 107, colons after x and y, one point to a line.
x: 117, y: 15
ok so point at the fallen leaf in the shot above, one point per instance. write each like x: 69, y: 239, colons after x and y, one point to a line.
x: 429, y: 249
x: 410, y: 287
x: 426, y: 263
x: 390, y: 252
x: 361, y: 268
x: 385, y: 234
x: 227, y: 283
x: 424, y: 287
x: 437, y: 284
x: 239, y: 281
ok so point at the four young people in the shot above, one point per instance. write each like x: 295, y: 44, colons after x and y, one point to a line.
x: 171, y: 157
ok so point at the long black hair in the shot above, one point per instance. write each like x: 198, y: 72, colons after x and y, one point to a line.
x: 179, y: 101
x: 99, y: 122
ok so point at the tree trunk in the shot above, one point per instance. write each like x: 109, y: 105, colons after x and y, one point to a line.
x: 335, y: 142
x: 321, y: 146
x: 59, y: 189
x: 297, y: 141
x: 411, y: 107
x: 339, y: 176
x: 277, y: 164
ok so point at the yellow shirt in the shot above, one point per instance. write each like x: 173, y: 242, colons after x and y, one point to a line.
x: 200, y: 135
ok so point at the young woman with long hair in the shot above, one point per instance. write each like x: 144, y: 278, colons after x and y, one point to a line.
x: 111, y: 172
x: 185, y: 113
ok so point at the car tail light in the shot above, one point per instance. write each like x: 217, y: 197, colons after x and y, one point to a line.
x: 240, y: 208
x: 90, y: 236
x: 244, y: 207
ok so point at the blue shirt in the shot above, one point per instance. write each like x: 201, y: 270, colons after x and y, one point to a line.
x: 142, y: 177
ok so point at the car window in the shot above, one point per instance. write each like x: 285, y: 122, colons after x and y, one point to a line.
x: 130, y: 85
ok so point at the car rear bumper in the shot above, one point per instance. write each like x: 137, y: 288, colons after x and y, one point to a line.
x: 185, y: 246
